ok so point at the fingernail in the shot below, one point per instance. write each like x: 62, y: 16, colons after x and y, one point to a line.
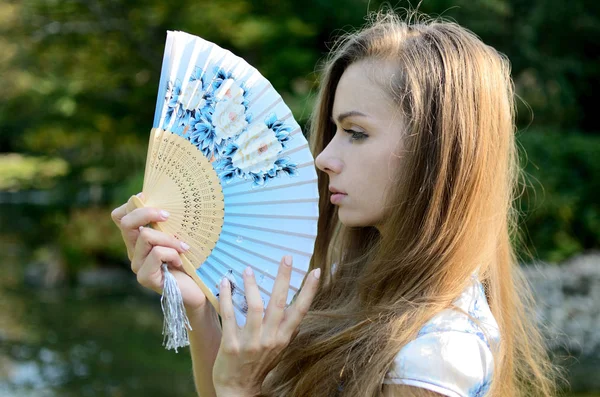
x: 317, y: 273
x: 140, y: 195
x: 164, y: 214
x: 248, y: 271
x: 287, y: 260
x: 225, y: 282
x: 185, y: 246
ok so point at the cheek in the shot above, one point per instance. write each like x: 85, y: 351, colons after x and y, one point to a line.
x: 369, y: 194
x: 379, y: 178
x: 380, y: 174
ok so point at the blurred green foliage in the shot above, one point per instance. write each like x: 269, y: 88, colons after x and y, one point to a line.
x: 560, y: 203
x: 23, y: 172
x: 80, y: 80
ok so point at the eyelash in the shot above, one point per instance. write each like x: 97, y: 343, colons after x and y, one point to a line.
x: 356, y: 135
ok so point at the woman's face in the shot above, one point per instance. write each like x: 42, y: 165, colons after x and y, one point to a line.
x: 362, y: 160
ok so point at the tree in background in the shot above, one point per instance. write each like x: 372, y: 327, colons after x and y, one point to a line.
x: 80, y: 81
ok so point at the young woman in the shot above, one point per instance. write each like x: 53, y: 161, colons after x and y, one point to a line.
x: 415, y: 288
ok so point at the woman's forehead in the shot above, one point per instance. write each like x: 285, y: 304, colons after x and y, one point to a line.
x: 362, y: 88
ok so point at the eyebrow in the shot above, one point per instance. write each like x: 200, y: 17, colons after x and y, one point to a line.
x: 342, y: 116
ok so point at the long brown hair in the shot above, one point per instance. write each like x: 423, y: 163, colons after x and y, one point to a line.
x: 451, y: 215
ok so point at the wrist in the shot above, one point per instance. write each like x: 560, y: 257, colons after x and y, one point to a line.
x: 205, y: 315
x: 203, y: 310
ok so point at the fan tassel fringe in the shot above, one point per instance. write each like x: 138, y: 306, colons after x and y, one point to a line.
x: 176, y: 322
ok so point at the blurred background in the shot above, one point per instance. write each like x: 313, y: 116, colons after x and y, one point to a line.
x: 78, y: 84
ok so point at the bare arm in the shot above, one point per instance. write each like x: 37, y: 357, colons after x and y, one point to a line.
x: 205, y: 339
x: 148, y: 249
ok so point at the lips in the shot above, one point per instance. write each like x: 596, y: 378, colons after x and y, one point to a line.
x: 335, y: 191
x: 337, y: 196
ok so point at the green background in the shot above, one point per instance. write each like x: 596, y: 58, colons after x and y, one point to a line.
x: 78, y: 89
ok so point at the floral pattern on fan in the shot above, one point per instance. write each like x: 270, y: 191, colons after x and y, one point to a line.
x: 254, y: 154
x: 215, y: 118
x: 208, y: 115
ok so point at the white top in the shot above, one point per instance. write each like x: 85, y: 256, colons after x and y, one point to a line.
x: 452, y: 355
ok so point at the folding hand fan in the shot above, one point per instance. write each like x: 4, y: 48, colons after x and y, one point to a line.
x: 229, y: 162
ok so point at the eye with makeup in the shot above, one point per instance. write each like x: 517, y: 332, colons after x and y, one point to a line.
x: 356, y: 135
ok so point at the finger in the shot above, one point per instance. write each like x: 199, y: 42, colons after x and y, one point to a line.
x: 131, y: 204
x: 150, y: 274
x: 142, y: 217
x: 296, y: 312
x: 255, y: 304
x: 229, y: 324
x: 118, y: 213
x: 129, y: 236
x: 131, y: 223
x: 278, y: 300
x: 149, y: 238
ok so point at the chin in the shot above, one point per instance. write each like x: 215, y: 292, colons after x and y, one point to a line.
x: 353, y: 220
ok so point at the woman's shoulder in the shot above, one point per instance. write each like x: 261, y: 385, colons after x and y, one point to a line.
x: 453, y: 352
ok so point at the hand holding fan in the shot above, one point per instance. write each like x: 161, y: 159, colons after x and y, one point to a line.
x: 228, y: 161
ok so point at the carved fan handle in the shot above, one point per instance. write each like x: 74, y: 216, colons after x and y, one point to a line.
x: 188, y: 268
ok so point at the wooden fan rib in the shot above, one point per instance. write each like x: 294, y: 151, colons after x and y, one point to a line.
x: 270, y: 279
x: 177, y: 202
x: 266, y: 258
x: 212, y: 213
x: 243, y: 71
x: 264, y: 229
x: 269, y: 242
x: 198, y: 258
x: 306, y: 254
x: 147, y: 167
x: 294, y: 150
x: 177, y: 227
x: 177, y: 221
x: 166, y: 146
x: 271, y: 188
x: 264, y: 90
x: 256, y: 269
x: 215, y: 49
x: 268, y: 108
x: 298, y: 217
x: 172, y: 72
x: 213, y: 64
x: 238, y: 273
x: 295, y: 201
x: 299, y: 271
x: 295, y: 131
x: 178, y: 218
x: 155, y: 148
x: 196, y: 51
x: 207, y: 243
x: 164, y: 72
x: 162, y: 178
x: 206, y: 62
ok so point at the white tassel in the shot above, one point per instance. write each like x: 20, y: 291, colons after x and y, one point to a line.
x: 176, y: 322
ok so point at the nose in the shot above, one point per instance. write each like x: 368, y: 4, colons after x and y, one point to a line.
x: 328, y: 161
